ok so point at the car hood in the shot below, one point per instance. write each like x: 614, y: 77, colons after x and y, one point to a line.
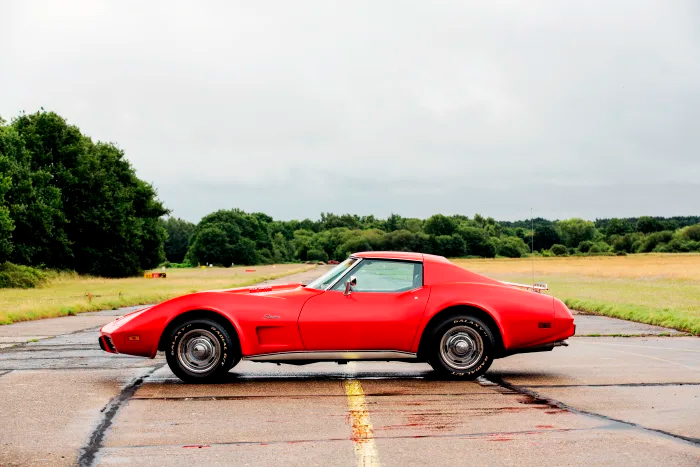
x: 272, y: 289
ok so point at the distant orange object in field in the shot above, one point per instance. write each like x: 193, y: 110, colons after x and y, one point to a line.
x: 154, y: 275
x: 250, y: 270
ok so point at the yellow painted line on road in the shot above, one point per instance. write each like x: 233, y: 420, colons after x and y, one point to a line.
x: 362, y: 431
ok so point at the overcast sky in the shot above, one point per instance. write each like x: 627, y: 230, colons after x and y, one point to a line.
x: 572, y: 108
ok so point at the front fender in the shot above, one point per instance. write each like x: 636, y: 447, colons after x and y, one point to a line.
x: 248, y: 313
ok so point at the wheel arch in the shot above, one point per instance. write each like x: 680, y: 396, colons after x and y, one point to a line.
x: 199, y: 314
x: 455, y: 310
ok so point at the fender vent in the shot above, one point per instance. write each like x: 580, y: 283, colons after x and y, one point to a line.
x: 545, y: 325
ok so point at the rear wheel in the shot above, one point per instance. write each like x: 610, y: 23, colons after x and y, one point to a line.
x: 201, y: 351
x: 461, y: 347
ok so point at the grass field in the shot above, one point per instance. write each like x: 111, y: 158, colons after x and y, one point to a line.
x: 662, y: 289
x: 69, y: 294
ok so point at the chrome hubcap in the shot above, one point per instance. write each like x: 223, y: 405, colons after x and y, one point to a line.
x: 198, y: 351
x: 461, y: 347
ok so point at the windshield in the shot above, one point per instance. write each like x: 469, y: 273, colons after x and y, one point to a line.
x: 327, y: 279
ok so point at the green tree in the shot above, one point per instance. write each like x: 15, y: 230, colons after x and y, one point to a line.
x: 179, y: 233
x: 647, y: 224
x: 33, y: 205
x: 477, y: 241
x: 546, y: 236
x: 6, y: 224
x: 450, y: 246
x: 281, y: 248
x: 617, y: 226
x: 401, y: 240
x: 440, y: 225
x: 238, y: 238
x: 576, y: 230
x: 80, y: 203
x: 211, y: 245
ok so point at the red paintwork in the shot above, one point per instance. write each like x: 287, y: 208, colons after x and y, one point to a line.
x: 289, y: 317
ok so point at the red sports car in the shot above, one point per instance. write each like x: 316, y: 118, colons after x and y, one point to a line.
x: 373, y: 306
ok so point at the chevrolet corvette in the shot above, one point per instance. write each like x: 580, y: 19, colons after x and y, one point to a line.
x: 385, y: 306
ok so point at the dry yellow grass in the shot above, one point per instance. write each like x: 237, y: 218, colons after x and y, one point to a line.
x: 69, y: 293
x: 661, y: 289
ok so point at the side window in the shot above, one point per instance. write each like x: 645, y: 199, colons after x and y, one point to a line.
x: 377, y: 275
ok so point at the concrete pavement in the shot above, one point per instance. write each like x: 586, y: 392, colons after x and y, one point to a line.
x: 602, y: 400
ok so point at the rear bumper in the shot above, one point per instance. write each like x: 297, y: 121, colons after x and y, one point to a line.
x: 537, y: 348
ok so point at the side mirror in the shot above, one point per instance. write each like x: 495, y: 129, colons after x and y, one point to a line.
x: 349, y: 284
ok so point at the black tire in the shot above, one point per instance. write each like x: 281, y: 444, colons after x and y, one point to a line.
x: 201, y: 351
x: 461, y: 347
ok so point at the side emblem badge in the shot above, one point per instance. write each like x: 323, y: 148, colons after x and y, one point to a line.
x: 271, y: 317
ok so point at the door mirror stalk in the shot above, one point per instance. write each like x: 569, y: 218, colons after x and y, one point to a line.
x: 349, y: 284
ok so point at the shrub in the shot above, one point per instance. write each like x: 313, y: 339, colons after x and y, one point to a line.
x: 316, y: 255
x: 585, y: 246
x: 628, y: 243
x: 21, y: 277
x: 512, y: 247
x: 654, y: 239
x: 559, y: 250
x: 677, y: 246
x: 599, y: 247
x: 691, y: 233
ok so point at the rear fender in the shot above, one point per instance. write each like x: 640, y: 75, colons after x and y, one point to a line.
x: 516, y: 312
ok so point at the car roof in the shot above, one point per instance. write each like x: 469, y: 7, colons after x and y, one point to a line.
x: 405, y: 255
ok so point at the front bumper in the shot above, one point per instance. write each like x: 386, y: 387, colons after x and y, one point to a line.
x: 106, y: 344
x: 129, y: 335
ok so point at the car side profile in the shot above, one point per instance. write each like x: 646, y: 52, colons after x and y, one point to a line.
x: 373, y: 306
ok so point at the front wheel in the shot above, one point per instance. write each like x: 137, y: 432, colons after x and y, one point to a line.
x: 461, y: 347
x: 200, y: 351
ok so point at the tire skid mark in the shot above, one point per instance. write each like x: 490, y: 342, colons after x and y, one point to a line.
x: 465, y: 436
x: 88, y: 454
x: 643, y: 346
x: 63, y: 368
x: 294, y: 396
x: 539, y: 399
x: 57, y: 347
x: 23, y: 345
x: 612, y: 385
x: 77, y: 357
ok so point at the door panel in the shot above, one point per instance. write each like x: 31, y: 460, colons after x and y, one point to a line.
x: 362, y: 320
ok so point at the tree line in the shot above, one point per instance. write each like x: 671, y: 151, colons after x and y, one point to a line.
x: 228, y: 237
x: 69, y: 203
